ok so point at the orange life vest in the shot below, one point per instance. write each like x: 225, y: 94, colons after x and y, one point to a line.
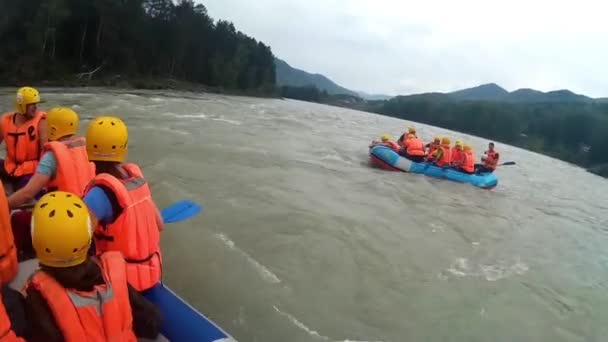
x: 446, y: 157
x: 74, y: 170
x: 8, y: 251
x: 103, y: 314
x: 22, y: 144
x: 456, y: 155
x: 393, y: 145
x: 468, y: 161
x: 491, y: 160
x: 414, y: 147
x: 6, y: 332
x: 432, y: 149
x: 135, y: 232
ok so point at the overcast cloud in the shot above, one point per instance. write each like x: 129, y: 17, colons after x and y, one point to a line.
x: 403, y: 47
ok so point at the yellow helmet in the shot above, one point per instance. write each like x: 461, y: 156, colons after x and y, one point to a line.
x: 107, y: 138
x: 61, y: 230
x: 61, y: 122
x: 437, y: 140
x: 467, y: 148
x: 445, y: 141
x: 458, y: 143
x: 411, y: 130
x: 385, y: 137
x: 26, y: 96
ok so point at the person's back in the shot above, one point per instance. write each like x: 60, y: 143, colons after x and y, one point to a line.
x: 120, y: 199
x: 72, y: 297
x: 414, y: 148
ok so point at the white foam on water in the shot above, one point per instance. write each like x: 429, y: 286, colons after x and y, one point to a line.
x: 262, y: 270
x: 300, y: 325
x: 157, y: 99
x: 232, y: 122
x: 193, y: 116
x: 461, y: 268
x: 308, y: 330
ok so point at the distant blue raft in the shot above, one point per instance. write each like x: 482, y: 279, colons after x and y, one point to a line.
x: 385, y: 158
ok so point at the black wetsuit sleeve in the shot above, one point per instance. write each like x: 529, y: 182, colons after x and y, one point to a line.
x: 146, y: 316
x: 14, y: 303
x: 43, y: 327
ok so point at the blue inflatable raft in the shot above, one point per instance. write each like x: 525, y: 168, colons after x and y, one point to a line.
x: 385, y: 158
x: 181, y: 322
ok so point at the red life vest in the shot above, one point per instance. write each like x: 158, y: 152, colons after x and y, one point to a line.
x: 445, y: 157
x: 468, y: 163
x: 392, y: 145
x: 22, y: 144
x: 8, y: 251
x: 103, y: 314
x: 74, y: 170
x: 135, y: 232
x: 430, y: 155
x: 491, y: 159
x: 414, y: 147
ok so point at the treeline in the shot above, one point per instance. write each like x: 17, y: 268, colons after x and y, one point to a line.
x: 573, y: 131
x: 54, y: 39
x: 313, y: 94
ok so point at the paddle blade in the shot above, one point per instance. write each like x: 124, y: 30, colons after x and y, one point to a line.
x: 180, y: 211
x: 508, y: 163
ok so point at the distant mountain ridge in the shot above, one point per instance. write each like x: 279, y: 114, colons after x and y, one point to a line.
x: 493, y: 92
x: 290, y: 76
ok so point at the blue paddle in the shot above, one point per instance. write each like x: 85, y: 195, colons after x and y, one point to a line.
x: 507, y: 163
x: 180, y: 211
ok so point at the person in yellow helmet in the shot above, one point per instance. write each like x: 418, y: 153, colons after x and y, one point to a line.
x: 74, y: 297
x: 120, y: 199
x: 443, y: 156
x: 24, y: 134
x: 456, y: 152
x: 64, y: 166
x: 385, y: 140
x: 432, y: 148
x: 410, y: 130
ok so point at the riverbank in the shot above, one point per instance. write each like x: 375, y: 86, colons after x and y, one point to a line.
x: 146, y: 83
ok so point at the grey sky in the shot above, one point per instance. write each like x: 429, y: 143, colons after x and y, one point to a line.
x: 403, y: 46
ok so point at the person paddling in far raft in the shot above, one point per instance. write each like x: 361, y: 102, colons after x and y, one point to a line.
x: 466, y: 160
x: 432, y: 148
x: 403, y: 137
x: 75, y: 298
x: 24, y: 134
x: 119, y: 198
x: 64, y: 166
x: 385, y: 140
x: 456, y: 151
x: 413, y: 148
x: 443, y: 155
x: 490, y: 160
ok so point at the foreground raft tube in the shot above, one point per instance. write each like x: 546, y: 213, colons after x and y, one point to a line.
x: 385, y: 158
x: 181, y: 322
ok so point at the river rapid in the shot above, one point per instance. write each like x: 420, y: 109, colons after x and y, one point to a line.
x: 301, y: 240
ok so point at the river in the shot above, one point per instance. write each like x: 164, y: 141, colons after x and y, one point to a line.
x: 300, y: 240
